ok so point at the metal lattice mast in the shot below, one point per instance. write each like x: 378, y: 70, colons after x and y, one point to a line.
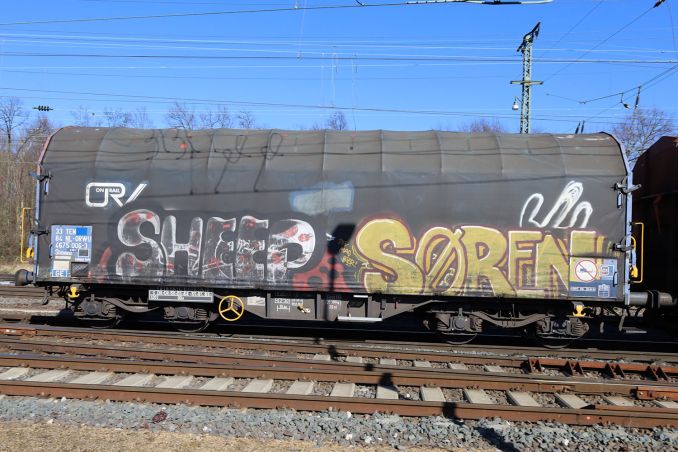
x: 526, y: 49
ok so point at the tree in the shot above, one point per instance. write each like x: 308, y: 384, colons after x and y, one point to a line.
x: 219, y: 118
x: 117, y: 118
x: 641, y: 128
x: 85, y: 118
x: 33, y: 137
x: 181, y: 116
x: 16, y: 185
x: 12, y: 117
x: 336, y: 121
x: 246, y: 120
x: 483, y: 125
x: 140, y: 119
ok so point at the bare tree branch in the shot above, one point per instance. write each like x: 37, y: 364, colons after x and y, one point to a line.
x: 12, y: 116
x: 85, y: 118
x: 246, y: 120
x: 220, y: 118
x: 483, y: 125
x: 181, y: 116
x: 140, y: 119
x: 336, y: 121
x: 641, y: 129
x: 117, y: 118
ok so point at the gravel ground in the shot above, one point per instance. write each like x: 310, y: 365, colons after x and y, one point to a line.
x: 23, y: 436
x: 22, y: 305
x: 318, y: 430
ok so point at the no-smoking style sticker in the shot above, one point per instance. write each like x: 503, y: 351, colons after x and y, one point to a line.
x: 593, y: 278
x: 586, y: 271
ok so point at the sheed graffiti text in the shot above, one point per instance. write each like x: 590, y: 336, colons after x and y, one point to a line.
x: 248, y: 251
x: 469, y: 260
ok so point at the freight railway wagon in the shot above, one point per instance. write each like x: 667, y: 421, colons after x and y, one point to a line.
x: 655, y: 214
x: 468, y: 231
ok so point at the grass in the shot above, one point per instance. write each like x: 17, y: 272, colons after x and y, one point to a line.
x: 8, y: 267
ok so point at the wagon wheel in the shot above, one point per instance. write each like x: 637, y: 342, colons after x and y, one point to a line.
x: 553, y: 342
x: 103, y: 323
x: 191, y: 327
x: 456, y: 338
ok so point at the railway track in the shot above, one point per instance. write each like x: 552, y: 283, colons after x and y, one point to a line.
x: 341, y: 349
x: 270, y: 377
x: 8, y: 289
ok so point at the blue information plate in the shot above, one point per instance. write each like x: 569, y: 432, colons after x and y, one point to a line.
x: 73, y: 243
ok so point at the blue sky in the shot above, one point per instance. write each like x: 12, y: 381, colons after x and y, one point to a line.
x: 401, y: 68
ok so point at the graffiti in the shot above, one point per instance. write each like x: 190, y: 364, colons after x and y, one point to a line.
x: 566, y: 204
x: 383, y: 256
x: 468, y: 260
x: 248, y: 250
x: 329, y: 274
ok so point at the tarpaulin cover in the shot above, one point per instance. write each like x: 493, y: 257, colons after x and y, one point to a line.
x: 431, y: 213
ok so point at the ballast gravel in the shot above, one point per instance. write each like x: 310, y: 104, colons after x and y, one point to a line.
x: 333, y: 428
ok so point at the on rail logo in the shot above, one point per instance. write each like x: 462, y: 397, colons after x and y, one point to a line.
x: 99, y: 194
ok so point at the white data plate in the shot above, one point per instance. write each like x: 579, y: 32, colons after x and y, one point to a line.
x: 181, y: 296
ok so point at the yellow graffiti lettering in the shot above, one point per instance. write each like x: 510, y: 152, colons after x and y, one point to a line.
x: 485, y: 253
x: 439, y: 249
x: 381, y: 242
x: 586, y: 244
x: 552, y: 266
x: 521, y: 262
x: 470, y: 260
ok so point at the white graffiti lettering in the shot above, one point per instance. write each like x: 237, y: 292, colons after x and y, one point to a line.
x: 566, y: 205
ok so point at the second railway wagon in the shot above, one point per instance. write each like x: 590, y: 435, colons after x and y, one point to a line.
x: 467, y: 230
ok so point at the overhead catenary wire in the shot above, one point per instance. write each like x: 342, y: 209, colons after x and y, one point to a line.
x: 167, y: 100
x: 640, y: 88
x: 65, y: 41
x: 334, y: 57
x: 358, y: 5
x: 579, y: 22
x: 624, y: 27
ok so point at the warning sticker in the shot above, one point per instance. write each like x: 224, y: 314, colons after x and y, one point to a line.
x: 593, y: 278
x: 586, y: 270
